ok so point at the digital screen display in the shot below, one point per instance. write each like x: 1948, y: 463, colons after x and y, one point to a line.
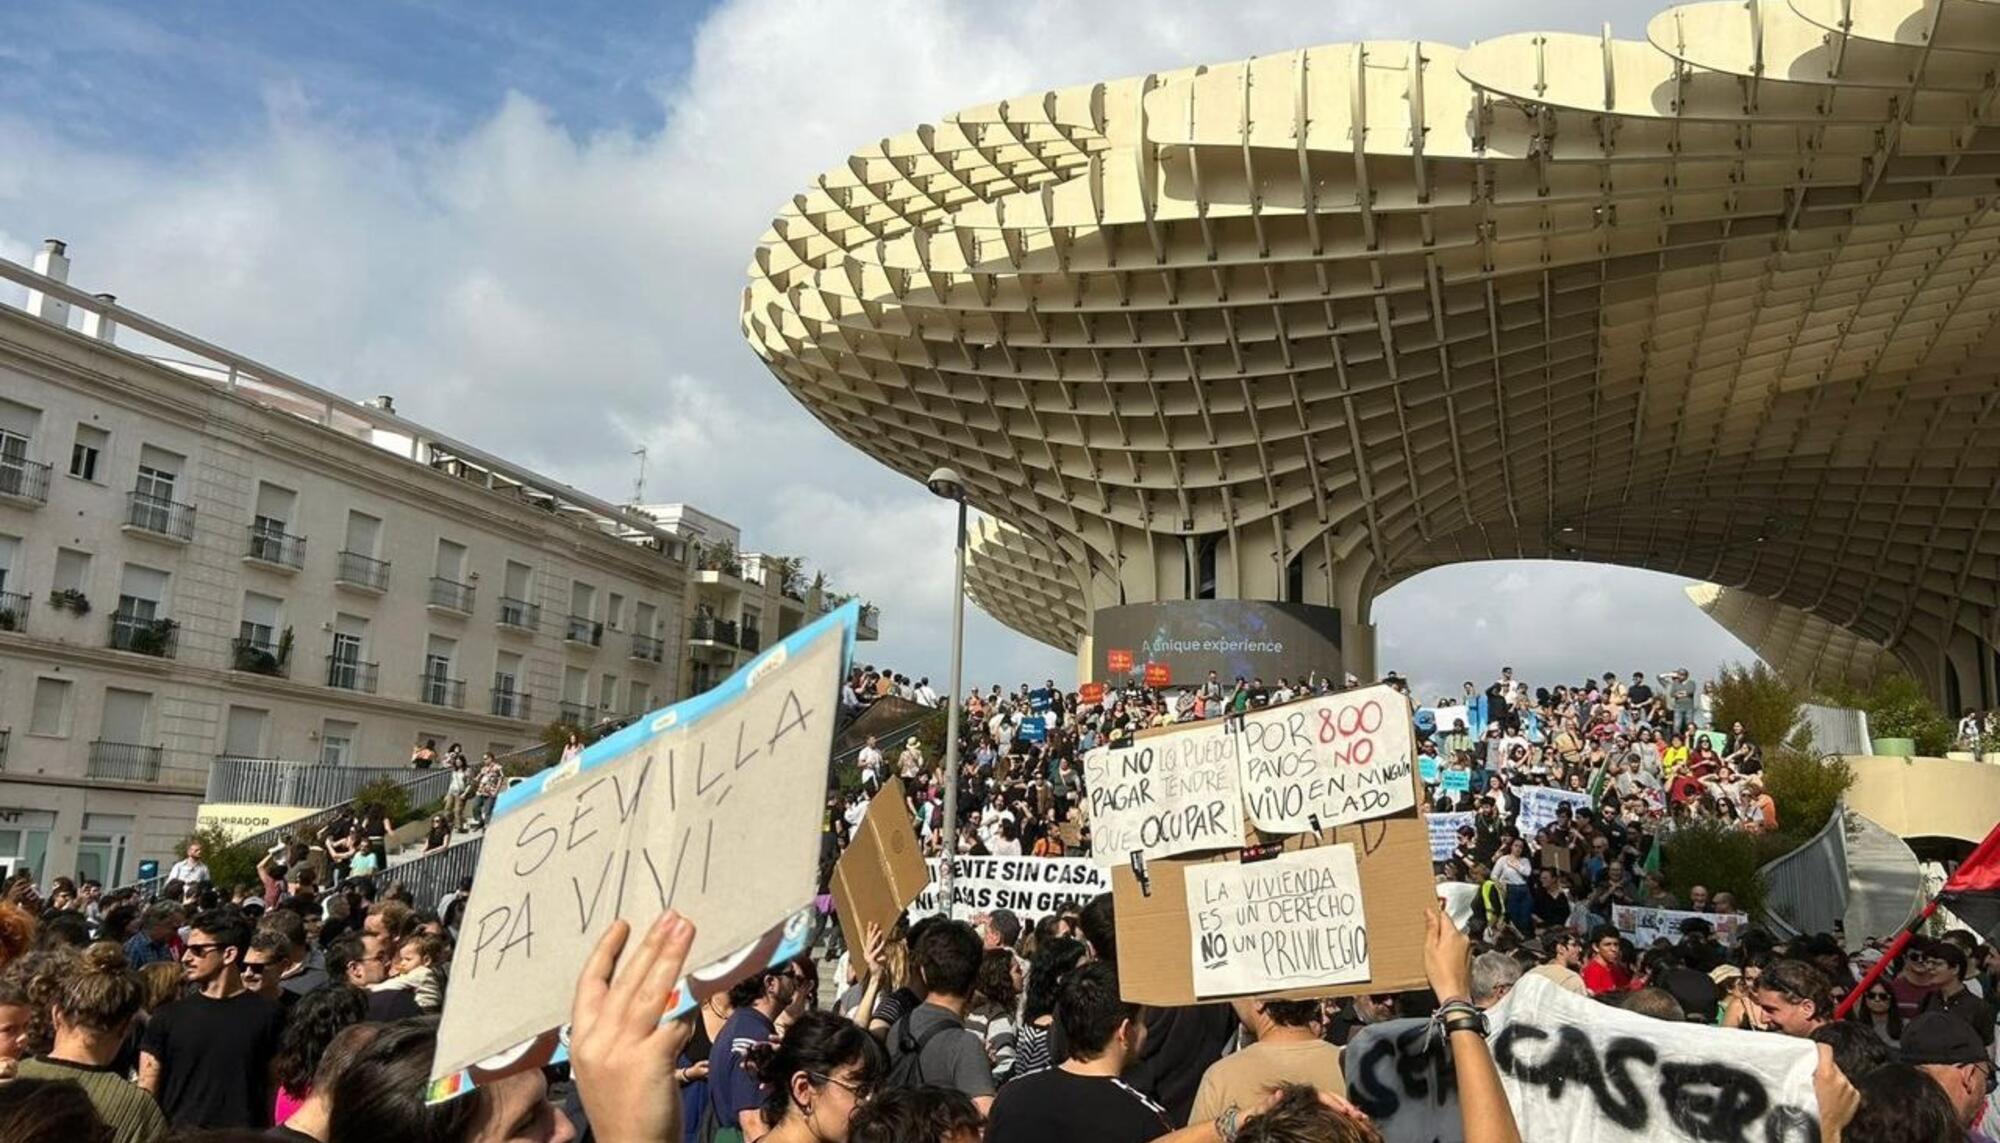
x: 1178, y: 643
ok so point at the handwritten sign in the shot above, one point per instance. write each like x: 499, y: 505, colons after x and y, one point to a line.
x: 1328, y: 761
x: 1444, y: 832
x: 1539, y: 803
x: 1574, y: 1069
x: 1427, y: 769
x: 1168, y: 794
x: 1292, y: 921
x: 1033, y: 887
x: 711, y: 807
x: 1455, y: 781
x: 1645, y: 925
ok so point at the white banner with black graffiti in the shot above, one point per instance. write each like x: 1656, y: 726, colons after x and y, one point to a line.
x: 1032, y: 887
x: 1577, y: 1071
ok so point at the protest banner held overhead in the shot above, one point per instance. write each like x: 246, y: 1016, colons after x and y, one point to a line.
x: 1444, y: 832
x: 1646, y: 925
x: 1575, y: 1070
x: 711, y: 807
x: 1539, y: 803
x: 1033, y: 887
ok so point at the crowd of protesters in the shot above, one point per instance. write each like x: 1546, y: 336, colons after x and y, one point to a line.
x: 304, y: 1006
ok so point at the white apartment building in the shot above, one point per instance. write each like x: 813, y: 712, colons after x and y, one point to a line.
x: 202, y: 559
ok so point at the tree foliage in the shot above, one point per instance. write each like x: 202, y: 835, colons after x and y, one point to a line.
x: 1766, y: 705
x: 382, y: 798
x: 229, y: 864
x: 1898, y: 707
x: 1717, y: 855
x: 1806, y: 789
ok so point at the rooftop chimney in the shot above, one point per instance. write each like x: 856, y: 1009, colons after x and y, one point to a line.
x: 98, y: 324
x: 50, y: 262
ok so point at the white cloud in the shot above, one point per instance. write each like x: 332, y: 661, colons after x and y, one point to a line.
x: 562, y: 298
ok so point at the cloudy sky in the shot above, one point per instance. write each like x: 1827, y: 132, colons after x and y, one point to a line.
x: 529, y: 223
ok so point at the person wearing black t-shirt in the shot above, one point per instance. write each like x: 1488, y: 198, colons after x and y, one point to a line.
x: 1083, y: 1100
x: 207, y: 1056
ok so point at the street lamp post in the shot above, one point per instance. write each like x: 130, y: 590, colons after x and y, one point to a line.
x: 946, y: 483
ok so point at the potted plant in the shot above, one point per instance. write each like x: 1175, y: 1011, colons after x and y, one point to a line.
x: 153, y: 638
x: 8, y: 620
x: 71, y: 600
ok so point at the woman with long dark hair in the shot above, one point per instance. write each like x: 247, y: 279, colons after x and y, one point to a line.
x: 1878, y: 1010
x: 815, y: 1078
x: 318, y: 1018
x: 1054, y: 960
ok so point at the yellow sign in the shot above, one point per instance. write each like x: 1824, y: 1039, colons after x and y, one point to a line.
x: 239, y: 820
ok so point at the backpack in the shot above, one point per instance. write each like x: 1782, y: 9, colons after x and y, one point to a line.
x: 908, y: 1069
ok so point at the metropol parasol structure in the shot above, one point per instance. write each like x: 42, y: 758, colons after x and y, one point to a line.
x: 1720, y: 302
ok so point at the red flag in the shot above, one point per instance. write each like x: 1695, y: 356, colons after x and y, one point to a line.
x: 1973, y: 890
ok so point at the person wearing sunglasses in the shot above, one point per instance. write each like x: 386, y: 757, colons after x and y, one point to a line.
x: 1878, y: 1011
x: 264, y: 965
x: 207, y: 1056
x: 824, y: 1069
x: 1945, y: 1048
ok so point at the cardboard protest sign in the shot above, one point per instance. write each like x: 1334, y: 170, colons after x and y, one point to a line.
x: 1427, y: 769
x: 1444, y: 832
x: 1645, y: 925
x: 1292, y: 921
x: 1455, y: 781
x: 1174, y: 792
x: 1576, y: 1071
x: 1033, y: 887
x: 711, y: 807
x: 1538, y: 806
x: 1393, y: 863
x: 1328, y: 761
x: 882, y: 870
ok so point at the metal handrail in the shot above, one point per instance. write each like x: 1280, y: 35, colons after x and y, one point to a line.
x: 451, y: 594
x: 276, y: 546
x: 361, y: 570
x: 159, y: 515
x: 14, y: 607
x: 24, y: 479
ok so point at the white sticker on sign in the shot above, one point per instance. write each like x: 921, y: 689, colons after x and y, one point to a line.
x: 1338, y: 759
x: 1294, y: 921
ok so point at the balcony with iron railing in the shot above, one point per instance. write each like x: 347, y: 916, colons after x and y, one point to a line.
x: 276, y: 548
x: 647, y: 649
x: 351, y: 674
x: 155, y: 636
x: 749, y: 638
x: 366, y: 573
x: 709, y: 629
x: 451, y: 596
x: 438, y: 690
x: 519, y: 615
x: 510, y: 703
x: 585, y: 630
x: 124, y: 762
x: 575, y: 713
x: 158, y: 518
x: 14, y: 608
x: 24, y: 481
x: 257, y: 657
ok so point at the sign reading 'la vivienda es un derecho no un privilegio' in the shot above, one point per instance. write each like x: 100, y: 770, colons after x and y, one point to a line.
x: 1283, y: 853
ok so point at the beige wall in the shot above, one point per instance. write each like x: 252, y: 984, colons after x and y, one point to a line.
x: 1927, y: 797
x: 230, y: 445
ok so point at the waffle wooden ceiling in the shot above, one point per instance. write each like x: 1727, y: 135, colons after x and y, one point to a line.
x: 1720, y: 302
